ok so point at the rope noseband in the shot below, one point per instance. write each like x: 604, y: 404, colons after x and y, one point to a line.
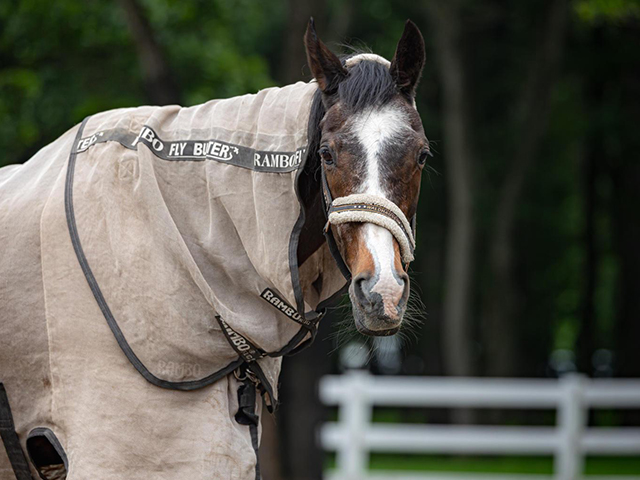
x: 366, y: 208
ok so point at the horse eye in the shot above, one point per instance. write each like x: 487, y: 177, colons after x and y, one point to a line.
x: 422, y: 157
x: 325, y: 155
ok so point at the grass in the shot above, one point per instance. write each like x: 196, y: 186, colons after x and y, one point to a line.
x: 487, y: 464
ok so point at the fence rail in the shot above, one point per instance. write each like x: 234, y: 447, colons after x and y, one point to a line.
x: 353, y: 437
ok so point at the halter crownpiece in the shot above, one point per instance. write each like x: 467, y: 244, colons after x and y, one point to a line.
x: 367, y: 208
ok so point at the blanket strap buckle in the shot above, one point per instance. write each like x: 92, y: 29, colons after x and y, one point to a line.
x: 243, y: 373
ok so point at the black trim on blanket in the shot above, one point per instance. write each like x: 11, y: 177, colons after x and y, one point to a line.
x: 293, y: 251
x: 295, y: 269
x: 102, y: 303
x: 315, y: 116
x: 294, y: 346
x: 10, y: 439
x: 197, y: 150
x: 53, y: 440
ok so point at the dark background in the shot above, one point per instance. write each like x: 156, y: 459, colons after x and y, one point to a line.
x: 528, y: 230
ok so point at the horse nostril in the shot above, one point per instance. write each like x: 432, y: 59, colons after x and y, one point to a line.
x: 404, y: 281
x: 361, y: 287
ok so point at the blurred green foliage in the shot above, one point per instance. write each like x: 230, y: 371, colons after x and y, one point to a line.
x: 607, y: 10
x: 61, y: 61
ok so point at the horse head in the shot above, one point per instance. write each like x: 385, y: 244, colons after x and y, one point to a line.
x: 372, y: 149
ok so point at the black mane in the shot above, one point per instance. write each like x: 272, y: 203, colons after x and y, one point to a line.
x: 368, y: 84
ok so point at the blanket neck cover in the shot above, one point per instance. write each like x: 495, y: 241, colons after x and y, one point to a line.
x: 179, y: 227
x: 186, y: 223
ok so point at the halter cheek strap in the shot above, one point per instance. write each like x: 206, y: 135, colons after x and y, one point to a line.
x: 366, y: 208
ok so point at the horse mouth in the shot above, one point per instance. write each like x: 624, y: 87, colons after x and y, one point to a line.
x: 385, y: 331
x: 371, y: 319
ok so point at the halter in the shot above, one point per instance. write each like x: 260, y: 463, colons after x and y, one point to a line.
x: 366, y: 208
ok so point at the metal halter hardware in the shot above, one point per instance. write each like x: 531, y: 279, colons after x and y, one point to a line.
x: 364, y: 208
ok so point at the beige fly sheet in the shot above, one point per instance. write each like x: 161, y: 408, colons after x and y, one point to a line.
x: 146, y: 257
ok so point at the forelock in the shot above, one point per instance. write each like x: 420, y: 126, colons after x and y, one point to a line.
x: 369, y: 84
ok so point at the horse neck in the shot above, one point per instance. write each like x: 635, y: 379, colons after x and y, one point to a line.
x: 311, y: 236
x: 309, y: 188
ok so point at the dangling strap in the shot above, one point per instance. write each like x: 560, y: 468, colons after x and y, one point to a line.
x: 11, y: 440
x: 249, y: 355
x: 247, y: 415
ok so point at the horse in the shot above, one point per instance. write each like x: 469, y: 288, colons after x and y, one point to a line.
x: 158, y: 262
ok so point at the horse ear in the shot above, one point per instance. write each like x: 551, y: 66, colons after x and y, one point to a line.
x: 406, y: 65
x: 325, y: 66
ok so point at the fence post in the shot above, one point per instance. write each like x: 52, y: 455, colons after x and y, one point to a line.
x: 354, y: 415
x: 569, y: 460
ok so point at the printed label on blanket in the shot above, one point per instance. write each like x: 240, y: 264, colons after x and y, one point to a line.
x: 247, y: 350
x: 276, y: 301
x: 198, y: 150
x: 176, y: 371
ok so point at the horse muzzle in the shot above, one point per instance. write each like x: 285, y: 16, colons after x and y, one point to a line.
x: 377, y: 311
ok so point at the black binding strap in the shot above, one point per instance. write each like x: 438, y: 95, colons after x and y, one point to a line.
x: 102, y: 303
x: 10, y: 439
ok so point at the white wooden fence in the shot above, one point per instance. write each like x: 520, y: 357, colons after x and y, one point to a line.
x: 357, y: 392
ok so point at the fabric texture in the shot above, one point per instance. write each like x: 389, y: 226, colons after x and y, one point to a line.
x: 188, y: 222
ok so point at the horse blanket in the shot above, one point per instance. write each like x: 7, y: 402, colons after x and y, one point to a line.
x: 146, y: 256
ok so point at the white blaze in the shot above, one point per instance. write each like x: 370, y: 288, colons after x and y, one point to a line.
x: 374, y: 128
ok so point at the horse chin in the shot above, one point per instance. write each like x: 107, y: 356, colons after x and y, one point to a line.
x: 375, y: 325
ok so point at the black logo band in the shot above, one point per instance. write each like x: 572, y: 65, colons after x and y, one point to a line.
x: 247, y: 350
x: 277, y: 302
x: 197, y: 150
